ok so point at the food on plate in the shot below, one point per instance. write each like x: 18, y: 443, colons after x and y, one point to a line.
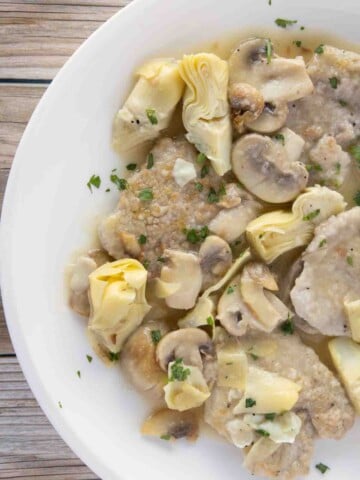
x: 234, y: 251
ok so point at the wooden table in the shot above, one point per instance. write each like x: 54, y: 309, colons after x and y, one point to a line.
x: 36, y: 38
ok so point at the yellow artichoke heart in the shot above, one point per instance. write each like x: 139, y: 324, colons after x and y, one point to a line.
x: 205, y: 108
x: 353, y: 313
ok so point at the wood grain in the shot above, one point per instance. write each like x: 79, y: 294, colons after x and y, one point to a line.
x: 36, y: 38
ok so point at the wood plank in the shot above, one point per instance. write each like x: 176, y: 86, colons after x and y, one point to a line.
x: 6, y: 347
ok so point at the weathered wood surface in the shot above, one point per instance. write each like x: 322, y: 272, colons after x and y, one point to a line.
x: 36, y: 38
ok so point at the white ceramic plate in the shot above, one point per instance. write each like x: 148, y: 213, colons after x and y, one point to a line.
x: 46, y: 216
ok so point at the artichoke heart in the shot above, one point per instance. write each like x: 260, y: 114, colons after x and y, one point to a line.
x: 206, y: 114
x: 189, y: 393
x: 118, y: 303
x: 150, y: 105
x: 275, y: 233
x: 232, y: 368
x: 353, y: 313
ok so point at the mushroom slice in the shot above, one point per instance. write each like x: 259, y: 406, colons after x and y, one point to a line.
x: 192, y: 345
x: 268, y: 167
x: 171, y: 423
x: 278, y: 79
x: 273, y: 118
x: 182, y: 269
x: 275, y: 233
x: 246, y: 104
x: 215, y: 259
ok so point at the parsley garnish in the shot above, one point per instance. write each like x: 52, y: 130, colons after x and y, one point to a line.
x: 78, y: 373
x: 107, y: 190
x: 311, y: 215
x: 298, y: 43
x: 60, y: 404
x: 213, y: 197
x: 249, y: 402
x: 121, y: 183
x: 287, y: 327
x: 95, y: 181
x: 283, y: 23
x: 113, y: 357
x: 146, y: 194
x: 270, y: 2
x: 142, y: 239
x: 350, y: 260
x: 146, y: 263
x: 338, y: 168
x: 334, y: 82
x: 270, y: 416
x: 165, y: 437
x: 254, y: 356
x: 322, y: 243
x: 155, y: 336
x: 230, y: 290
x: 89, y: 358
x: 201, y: 158
x: 150, y: 161
x: 194, y: 236
x: 178, y: 372
x: 320, y: 49
x: 262, y: 432
x: 210, y: 321
x: 357, y: 198
x: 280, y: 138
x: 199, y: 187
x: 269, y: 50
x: 343, y: 103
x: 354, y: 151
x: 314, y: 167
x: 131, y: 166
x: 161, y: 259
x: 322, y: 468
x: 151, y: 114
x: 204, y: 171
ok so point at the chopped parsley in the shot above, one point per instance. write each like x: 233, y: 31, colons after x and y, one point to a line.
x: 354, y: 151
x: 95, y: 181
x: 280, y: 138
x: 178, y: 372
x: 210, y: 321
x: 151, y: 115
x: 60, y: 404
x: 334, y: 82
x: 314, y: 167
x: 230, y: 290
x: 204, y: 171
x: 270, y: 2
x: 310, y: 216
x: 165, y: 437
x: 254, y: 356
x: 121, y: 183
x: 270, y: 416
x: 322, y: 468
x: 146, y: 263
x: 150, y: 161
x: 78, y: 373
x: 250, y: 402
x: 89, y: 358
x: 350, y: 260
x: 357, y: 198
x: 131, y: 166
x: 142, y: 239
x: 161, y: 259
x: 201, y: 158
x: 302, y: 28
x: 213, y: 197
x: 195, y: 236
x: 320, y: 49
x: 113, y: 357
x: 322, y: 243
x: 283, y: 23
x: 287, y: 327
x: 107, y: 190
x: 199, y: 187
x: 269, y: 50
x: 146, y: 194
x: 262, y: 432
x: 155, y: 336
x: 298, y: 43
x: 343, y: 103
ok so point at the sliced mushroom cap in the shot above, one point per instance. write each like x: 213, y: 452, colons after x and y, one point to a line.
x: 272, y: 118
x: 183, y: 269
x: 246, y: 103
x: 189, y: 344
x: 268, y: 168
x: 173, y: 423
x: 278, y: 79
x: 215, y: 259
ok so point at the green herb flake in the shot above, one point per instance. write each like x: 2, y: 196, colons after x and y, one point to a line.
x: 302, y: 28
x: 350, y: 261
x: 199, y: 187
x: 146, y: 263
x: 343, y: 103
x: 195, y: 236
x: 200, y: 159
x: 270, y: 2
x: 151, y: 115
x: 60, y: 404
x: 322, y: 468
x: 146, y: 194
x: 287, y: 327
x: 95, y: 181
x: 213, y: 197
x: 357, y: 198
x: 322, y: 243
x: 314, y: 167
x: 320, y: 49
x: 230, y: 290
x: 310, y: 216
x: 107, y: 190
x: 262, y: 432
x: 250, y: 402
x: 113, y: 357
x: 78, y: 373
x: 121, y: 183
x: 270, y: 416
x: 178, y: 372
x: 142, y: 239
x: 165, y: 437
x: 283, y: 23
x: 334, y: 82
x: 210, y: 321
x: 280, y: 138
x: 338, y: 168
x: 268, y: 50
x: 254, y: 356
x: 150, y: 161
x: 354, y: 151
x: 161, y: 259
x: 131, y: 166
x: 204, y: 171
x: 155, y: 336
x: 89, y: 358
x: 297, y: 43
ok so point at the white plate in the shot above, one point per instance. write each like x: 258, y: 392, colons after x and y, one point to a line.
x: 46, y: 217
